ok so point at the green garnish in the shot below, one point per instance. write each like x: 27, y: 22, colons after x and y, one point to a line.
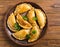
x: 35, y: 18
x: 34, y: 31
x: 17, y: 27
x: 25, y: 18
x: 27, y: 36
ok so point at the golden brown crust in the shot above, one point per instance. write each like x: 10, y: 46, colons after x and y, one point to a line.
x: 35, y: 36
x: 22, y: 8
x: 11, y: 21
x: 35, y: 27
x: 29, y: 25
x: 41, y: 18
x: 20, y: 35
x: 23, y: 23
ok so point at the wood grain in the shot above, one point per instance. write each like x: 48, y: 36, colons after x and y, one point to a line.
x: 52, y: 9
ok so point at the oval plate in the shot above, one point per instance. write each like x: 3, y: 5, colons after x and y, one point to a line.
x: 8, y: 31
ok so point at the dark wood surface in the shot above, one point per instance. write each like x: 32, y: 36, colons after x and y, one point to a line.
x: 52, y: 9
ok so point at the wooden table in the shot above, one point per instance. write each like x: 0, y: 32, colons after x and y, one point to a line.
x: 52, y: 9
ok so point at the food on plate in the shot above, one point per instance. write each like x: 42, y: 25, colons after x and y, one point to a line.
x: 41, y: 18
x: 26, y: 22
x: 31, y: 16
x: 21, y: 8
x: 23, y: 23
x: 17, y: 27
x: 21, y: 35
x: 35, y: 33
x: 11, y: 22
